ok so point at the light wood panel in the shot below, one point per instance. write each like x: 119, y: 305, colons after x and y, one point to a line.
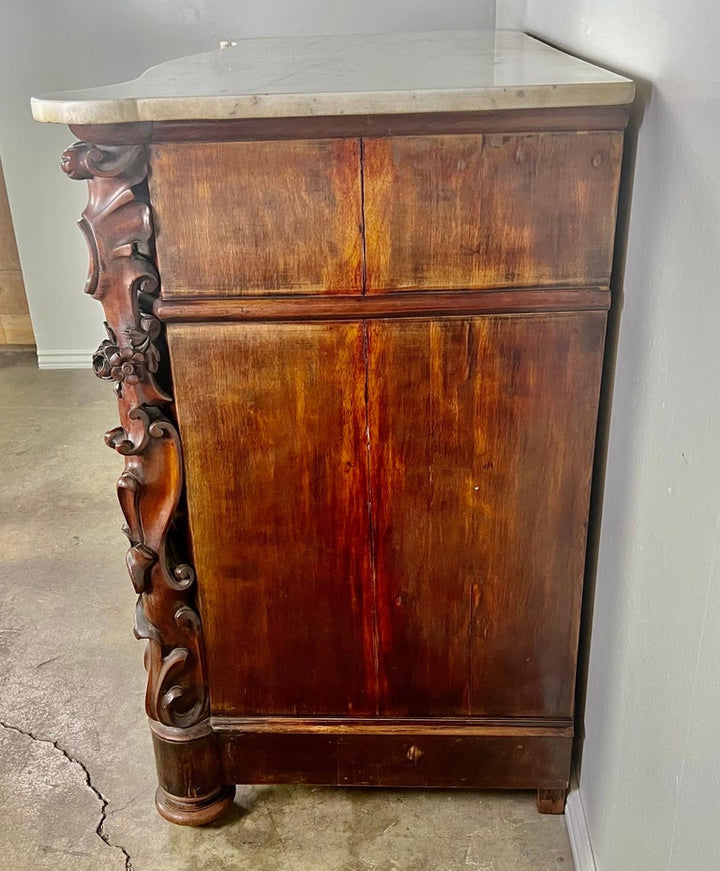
x: 15, y: 325
x: 495, y: 210
x: 236, y: 218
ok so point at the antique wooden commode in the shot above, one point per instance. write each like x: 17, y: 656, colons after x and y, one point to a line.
x: 356, y: 292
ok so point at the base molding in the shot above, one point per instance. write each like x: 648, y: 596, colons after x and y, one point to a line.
x: 494, y: 754
x: 578, y: 831
x: 64, y: 359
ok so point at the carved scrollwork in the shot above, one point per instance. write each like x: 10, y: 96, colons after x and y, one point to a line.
x: 117, y: 225
x: 176, y: 690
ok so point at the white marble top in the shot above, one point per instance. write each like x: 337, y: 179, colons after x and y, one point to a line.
x: 359, y: 74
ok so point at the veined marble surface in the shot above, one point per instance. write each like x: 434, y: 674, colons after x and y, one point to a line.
x: 359, y: 74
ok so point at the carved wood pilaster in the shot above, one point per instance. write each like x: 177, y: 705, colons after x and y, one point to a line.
x: 117, y: 225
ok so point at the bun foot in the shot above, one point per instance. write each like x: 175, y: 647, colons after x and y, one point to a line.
x: 551, y: 801
x: 193, y: 811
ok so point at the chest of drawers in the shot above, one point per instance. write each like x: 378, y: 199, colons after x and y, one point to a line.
x: 358, y: 359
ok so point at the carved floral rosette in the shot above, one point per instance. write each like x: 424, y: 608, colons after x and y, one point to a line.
x: 117, y: 226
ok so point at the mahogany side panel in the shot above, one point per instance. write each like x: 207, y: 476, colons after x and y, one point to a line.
x: 241, y: 217
x: 480, y: 499
x: 495, y: 210
x: 273, y: 422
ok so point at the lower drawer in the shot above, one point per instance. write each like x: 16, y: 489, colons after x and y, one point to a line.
x: 420, y: 758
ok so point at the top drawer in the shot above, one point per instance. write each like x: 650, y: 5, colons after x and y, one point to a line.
x: 499, y: 210
x: 440, y: 212
x: 248, y: 218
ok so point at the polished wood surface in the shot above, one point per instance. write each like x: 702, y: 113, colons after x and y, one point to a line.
x: 414, y: 760
x: 276, y: 459
x: 373, y: 448
x: 440, y: 303
x: 117, y: 225
x: 497, y: 210
x: 243, y: 218
x: 420, y: 579
x: 518, y: 727
x: 480, y: 493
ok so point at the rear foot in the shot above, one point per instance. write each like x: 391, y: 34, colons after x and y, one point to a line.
x: 551, y: 801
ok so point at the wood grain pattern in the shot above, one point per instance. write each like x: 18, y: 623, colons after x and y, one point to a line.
x: 468, y: 726
x: 387, y: 492
x: 440, y: 303
x: 499, y: 210
x: 244, y: 217
x: 413, y: 760
x: 273, y: 426
x: 481, y: 445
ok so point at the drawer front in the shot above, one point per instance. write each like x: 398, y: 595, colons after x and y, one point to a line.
x: 477, y: 211
x: 446, y: 761
x: 243, y: 218
x: 512, y: 761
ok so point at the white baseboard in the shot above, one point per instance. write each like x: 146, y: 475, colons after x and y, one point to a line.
x: 64, y: 359
x: 578, y: 830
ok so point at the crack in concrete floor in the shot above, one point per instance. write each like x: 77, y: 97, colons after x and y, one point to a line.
x: 62, y: 574
x: 100, y: 828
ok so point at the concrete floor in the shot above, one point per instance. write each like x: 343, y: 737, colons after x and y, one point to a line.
x: 76, y: 770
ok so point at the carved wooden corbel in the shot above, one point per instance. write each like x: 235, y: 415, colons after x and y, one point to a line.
x: 117, y: 225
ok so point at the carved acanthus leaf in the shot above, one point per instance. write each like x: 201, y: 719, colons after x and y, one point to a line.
x: 117, y: 225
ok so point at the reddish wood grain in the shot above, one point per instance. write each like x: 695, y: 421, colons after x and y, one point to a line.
x: 245, y: 217
x: 499, y: 210
x: 414, y: 760
x: 387, y: 492
x: 481, y: 446
x: 438, y: 303
x: 273, y: 425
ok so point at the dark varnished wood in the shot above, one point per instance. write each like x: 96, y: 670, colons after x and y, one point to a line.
x: 339, y: 126
x: 384, y: 494
x: 378, y: 726
x: 497, y: 210
x: 441, y: 303
x: 244, y: 217
x: 480, y: 499
x: 117, y: 226
x: 192, y: 789
x: 416, y: 759
x: 276, y: 439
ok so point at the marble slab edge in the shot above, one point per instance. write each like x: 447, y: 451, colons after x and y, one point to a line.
x: 129, y: 110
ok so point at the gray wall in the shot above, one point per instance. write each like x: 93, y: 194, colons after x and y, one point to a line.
x: 65, y: 44
x: 650, y: 777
